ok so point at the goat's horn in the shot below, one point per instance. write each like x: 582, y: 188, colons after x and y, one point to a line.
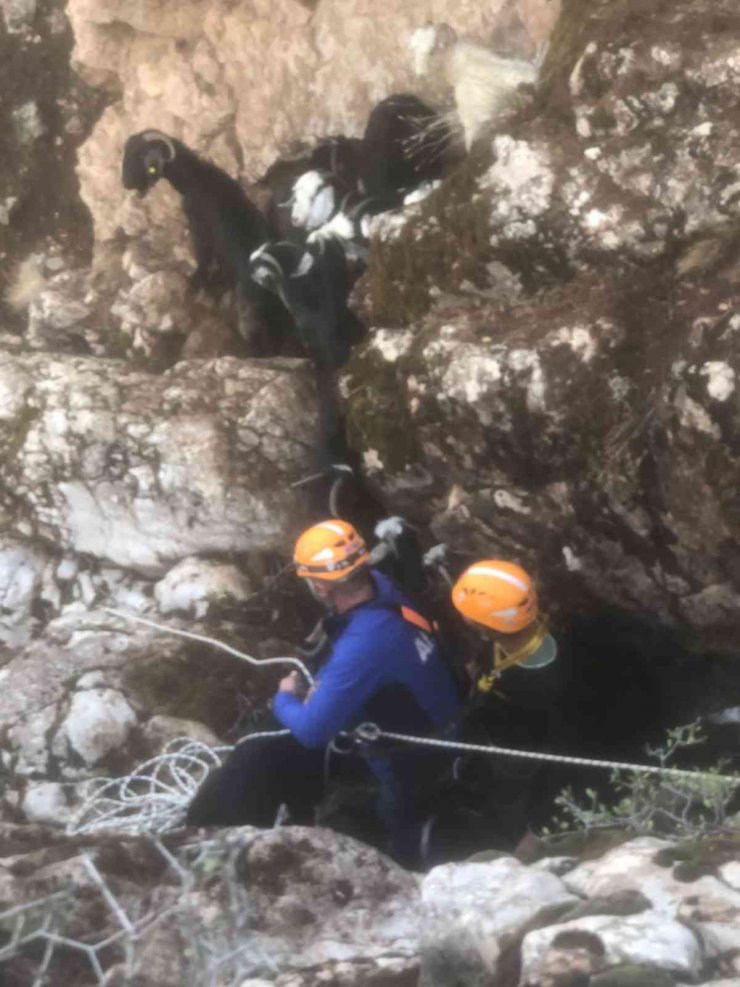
x: 355, y: 211
x: 157, y: 135
x: 273, y: 263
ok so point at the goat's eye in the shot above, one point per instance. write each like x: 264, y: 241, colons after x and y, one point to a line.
x: 152, y: 170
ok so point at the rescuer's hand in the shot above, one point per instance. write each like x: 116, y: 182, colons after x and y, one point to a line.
x: 293, y: 684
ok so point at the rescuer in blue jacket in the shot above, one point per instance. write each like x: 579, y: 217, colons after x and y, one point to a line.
x: 380, y: 662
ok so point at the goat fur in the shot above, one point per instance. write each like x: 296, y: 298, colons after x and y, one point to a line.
x: 312, y: 283
x: 485, y: 85
x: 225, y: 227
x: 335, y: 160
x: 404, y: 144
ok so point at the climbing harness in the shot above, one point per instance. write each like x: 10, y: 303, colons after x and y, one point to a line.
x: 371, y: 733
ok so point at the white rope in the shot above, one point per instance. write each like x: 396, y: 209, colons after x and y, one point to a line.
x: 259, y: 736
x: 370, y: 732
x: 261, y: 663
x: 154, y: 797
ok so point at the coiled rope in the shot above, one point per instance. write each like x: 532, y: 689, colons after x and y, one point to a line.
x: 154, y: 797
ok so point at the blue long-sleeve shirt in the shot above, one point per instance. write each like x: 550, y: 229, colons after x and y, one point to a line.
x: 380, y: 667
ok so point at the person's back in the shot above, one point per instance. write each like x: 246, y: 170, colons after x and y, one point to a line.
x: 384, y: 665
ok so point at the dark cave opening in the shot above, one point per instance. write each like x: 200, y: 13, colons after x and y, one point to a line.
x: 622, y: 681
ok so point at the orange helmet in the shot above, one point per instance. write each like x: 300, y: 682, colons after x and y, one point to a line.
x: 330, y: 550
x: 496, y: 594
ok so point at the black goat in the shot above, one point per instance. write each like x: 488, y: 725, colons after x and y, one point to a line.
x: 405, y: 143
x: 225, y: 227
x: 312, y: 283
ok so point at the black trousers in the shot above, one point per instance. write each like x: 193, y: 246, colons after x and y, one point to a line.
x: 256, y: 778
x: 259, y: 775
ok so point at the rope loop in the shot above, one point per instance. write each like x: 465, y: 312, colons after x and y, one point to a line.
x: 369, y: 733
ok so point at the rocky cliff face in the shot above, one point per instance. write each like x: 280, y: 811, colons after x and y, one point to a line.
x: 301, y: 907
x: 249, y: 83
x: 143, y: 467
x: 567, y: 371
x: 46, y: 113
x: 551, y: 375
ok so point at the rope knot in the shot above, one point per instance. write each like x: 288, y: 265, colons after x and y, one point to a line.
x: 368, y: 733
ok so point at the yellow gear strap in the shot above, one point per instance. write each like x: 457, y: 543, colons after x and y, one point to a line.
x: 503, y: 660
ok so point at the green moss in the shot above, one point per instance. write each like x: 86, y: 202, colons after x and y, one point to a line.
x: 447, y: 244
x: 582, y: 844
x: 118, y: 343
x: 624, y: 902
x: 633, y: 976
x: 15, y: 432
x: 376, y: 411
x: 566, y: 42
x: 569, y: 38
x: 693, y: 859
x: 195, y: 684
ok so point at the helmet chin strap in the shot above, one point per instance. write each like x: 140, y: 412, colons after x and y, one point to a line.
x: 325, y: 602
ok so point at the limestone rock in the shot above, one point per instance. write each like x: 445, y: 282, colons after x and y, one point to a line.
x: 18, y: 14
x: 718, y: 922
x: 160, y: 730
x: 65, y: 315
x: 707, y: 903
x: 27, y: 122
x: 142, y: 471
x: 326, y: 867
x: 537, y: 389
x: 313, y: 906
x: 521, y: 181
x: 730, y: 874
x: 46, y: 802
x: 631, y: 867
x: 470, y: 910
x: 140, y: 307
x: 195, y: 585
x: 96, y: 694
x: 21, y: 570
x: 154, y: 306
x: 99, y: 721
x: 47, y: 112
x: 556, y: 865
x: 648, y: 938
x: 26, y: 748
x: 625, y: 902
x: 567, y: 208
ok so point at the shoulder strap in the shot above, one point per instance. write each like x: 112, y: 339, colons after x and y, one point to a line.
x: 415, y: 618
